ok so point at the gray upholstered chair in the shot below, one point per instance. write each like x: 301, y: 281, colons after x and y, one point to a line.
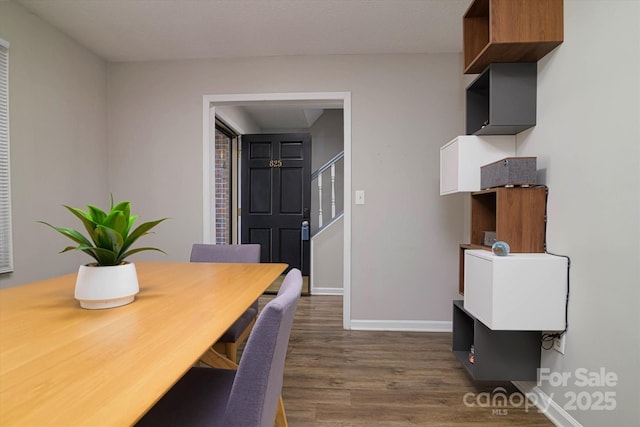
x: 248, y: 397
x: 239, y: 331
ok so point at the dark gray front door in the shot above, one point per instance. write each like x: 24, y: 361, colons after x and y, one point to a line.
x: 276, y: 196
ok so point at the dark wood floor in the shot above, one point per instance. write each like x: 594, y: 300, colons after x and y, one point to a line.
x: 344, y: 378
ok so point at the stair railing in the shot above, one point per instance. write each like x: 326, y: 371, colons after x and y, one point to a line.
x: 317, y: 176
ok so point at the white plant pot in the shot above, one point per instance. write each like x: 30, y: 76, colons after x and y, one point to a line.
x: 106, y: 287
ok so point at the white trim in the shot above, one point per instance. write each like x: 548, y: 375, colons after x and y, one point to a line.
x: 326, y: 290
x: 324, y: 97
x: 312, y: 271
x: 229, y: 122
x: 402, y: 325
x: 346, y: 280
x: 6, y: 232
x: 208, y: 123
x: 235, y: 188
x: 547, y: 406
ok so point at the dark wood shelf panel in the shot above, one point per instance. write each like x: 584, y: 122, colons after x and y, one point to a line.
x: 517, y: 215
x: 510, y: 31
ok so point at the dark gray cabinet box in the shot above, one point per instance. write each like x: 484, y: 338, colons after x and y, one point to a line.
x: 502, y: 100
x: 499, y: 355
x: 510, y: 171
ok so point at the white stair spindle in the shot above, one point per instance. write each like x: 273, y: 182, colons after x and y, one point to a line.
x: 333, y: 191
x: 320, y: 199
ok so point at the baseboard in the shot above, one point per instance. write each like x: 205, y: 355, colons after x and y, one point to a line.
x: 326, y: 291
x: 547, y: 406
x: 401, y: 325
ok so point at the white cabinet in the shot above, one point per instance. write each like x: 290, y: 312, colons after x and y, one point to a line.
x: 461, y: 159
x: 518, y: 292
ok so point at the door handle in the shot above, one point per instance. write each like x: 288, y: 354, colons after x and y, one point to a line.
x: 305, y: 230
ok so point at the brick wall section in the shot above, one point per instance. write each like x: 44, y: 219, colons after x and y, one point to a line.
x: 223, y: 188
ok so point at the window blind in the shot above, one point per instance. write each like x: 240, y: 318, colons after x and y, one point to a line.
x: 6, y: 253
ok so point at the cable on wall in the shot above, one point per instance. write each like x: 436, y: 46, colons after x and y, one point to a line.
x: 550, y: 337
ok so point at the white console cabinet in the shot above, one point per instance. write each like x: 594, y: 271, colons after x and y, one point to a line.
x: 518, y: 292
x: 462, y: 157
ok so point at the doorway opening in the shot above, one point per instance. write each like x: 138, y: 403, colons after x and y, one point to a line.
x: 213, y: 104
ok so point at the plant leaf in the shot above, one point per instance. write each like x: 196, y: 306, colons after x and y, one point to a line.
x: 125, y: 207
x: 84, y: 248
x: 87, y: 221
x: 97, y: 214
x: 125, y: 255
x: 109, y: 239
x: 72, y: 234
x: 105, y: 257
x: 132, y: 220
x: 141, y: 230
x: 117, y: 222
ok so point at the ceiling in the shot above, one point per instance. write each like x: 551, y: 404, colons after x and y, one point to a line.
x: 147, y: 30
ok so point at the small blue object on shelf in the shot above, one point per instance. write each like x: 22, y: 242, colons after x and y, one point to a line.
x: 500, y: 248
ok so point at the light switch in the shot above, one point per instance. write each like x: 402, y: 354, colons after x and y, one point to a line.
x: 359, y: 197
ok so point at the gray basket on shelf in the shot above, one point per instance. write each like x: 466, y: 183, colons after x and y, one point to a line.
x: 509, y: 172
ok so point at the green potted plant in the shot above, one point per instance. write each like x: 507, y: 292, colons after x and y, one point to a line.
x: 109, y: 281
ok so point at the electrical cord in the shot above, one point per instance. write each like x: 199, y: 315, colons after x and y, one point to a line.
x: 550, y: 337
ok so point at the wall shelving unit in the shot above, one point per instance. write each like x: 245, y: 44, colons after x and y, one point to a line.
x: 502, y: 42
x: 497, y: 31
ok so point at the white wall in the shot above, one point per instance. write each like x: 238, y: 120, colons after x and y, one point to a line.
x: 58, y: 141
x: 327, y: 255
x: 237, y: 118
x: 404, y: 107
x: 587, y: 141
x: 327, y: 137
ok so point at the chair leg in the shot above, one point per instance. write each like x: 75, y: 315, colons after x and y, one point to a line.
x: 281, y: 416
x: 231, y: 350
x: 215, y: 360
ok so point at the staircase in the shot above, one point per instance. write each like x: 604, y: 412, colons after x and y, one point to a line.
x: 327, y: 228
x: 327, y: 197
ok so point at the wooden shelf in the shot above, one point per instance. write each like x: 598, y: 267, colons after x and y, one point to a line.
x: 517, y: 215
x: 510, y: 31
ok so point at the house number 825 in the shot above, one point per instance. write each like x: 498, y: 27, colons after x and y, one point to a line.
x: 275, y: 163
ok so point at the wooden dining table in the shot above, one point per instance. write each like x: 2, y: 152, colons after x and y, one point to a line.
x: 66, y: 366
